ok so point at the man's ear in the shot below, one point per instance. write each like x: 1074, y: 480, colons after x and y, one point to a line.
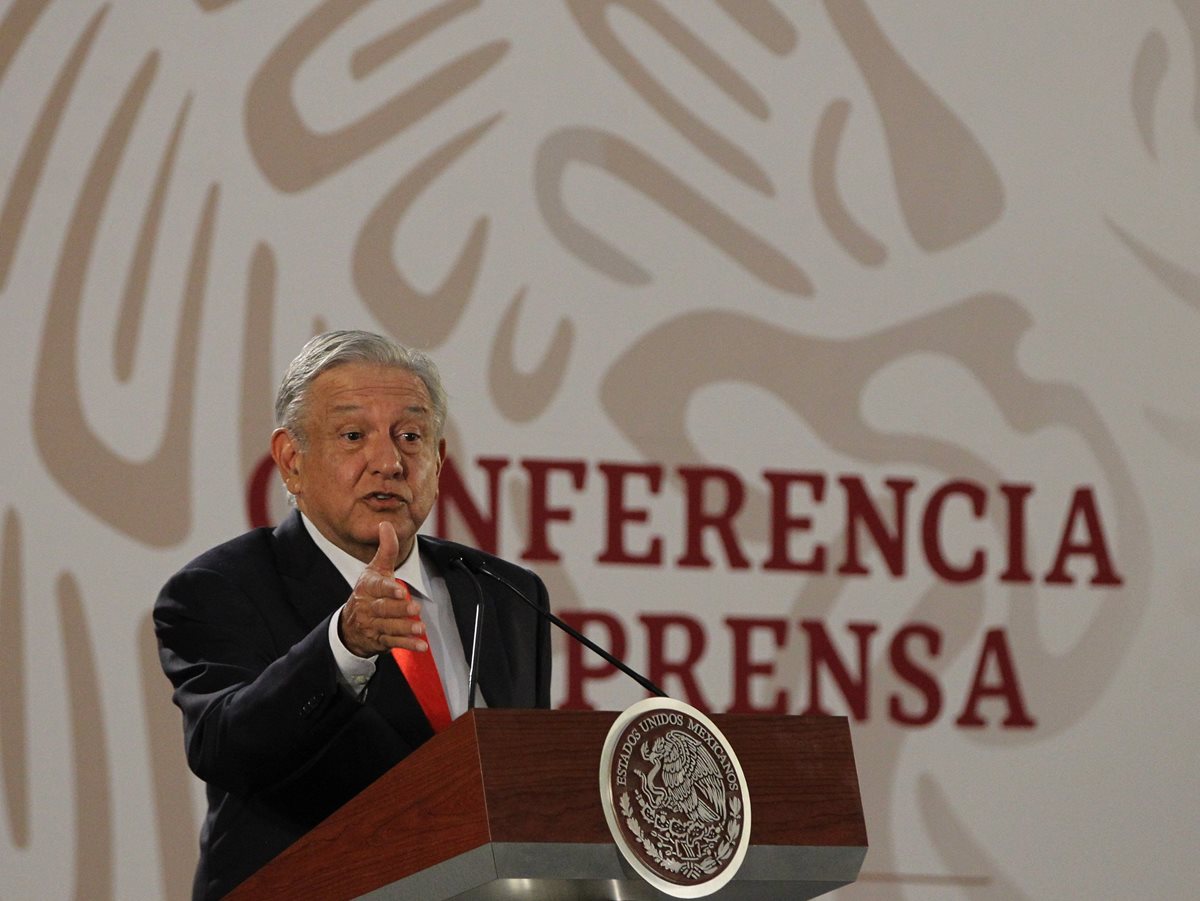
x: 441, y: 459
x: 286, y: 454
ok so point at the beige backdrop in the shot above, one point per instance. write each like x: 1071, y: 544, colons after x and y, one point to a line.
x: 829, y: 357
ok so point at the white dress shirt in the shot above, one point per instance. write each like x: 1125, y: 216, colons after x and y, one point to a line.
x: 428, y: 589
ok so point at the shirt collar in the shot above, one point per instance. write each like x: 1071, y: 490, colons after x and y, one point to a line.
x: 413, y: 570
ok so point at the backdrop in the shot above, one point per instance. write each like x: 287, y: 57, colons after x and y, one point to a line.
x: 822, y: 357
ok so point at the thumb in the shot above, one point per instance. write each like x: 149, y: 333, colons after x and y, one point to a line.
x: 384, y: 560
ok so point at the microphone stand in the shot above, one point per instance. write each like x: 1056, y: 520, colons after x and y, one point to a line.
x: 477, y: 637
x: 641, y: 680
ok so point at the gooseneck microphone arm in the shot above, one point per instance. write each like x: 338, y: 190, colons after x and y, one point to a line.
x: 478, y: 566
x: 477, y: 638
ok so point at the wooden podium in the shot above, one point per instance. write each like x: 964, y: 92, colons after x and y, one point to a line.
x: 505, y: 804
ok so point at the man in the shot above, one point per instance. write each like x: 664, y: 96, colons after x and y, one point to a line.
x: 280, y: 643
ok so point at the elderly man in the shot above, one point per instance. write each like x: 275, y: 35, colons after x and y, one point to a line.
x: 291, y: 650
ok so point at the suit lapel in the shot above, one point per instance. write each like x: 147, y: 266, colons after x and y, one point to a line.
x: 392, y: 697
x: 315, y: 587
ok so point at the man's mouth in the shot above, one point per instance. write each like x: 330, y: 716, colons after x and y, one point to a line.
x: 384, y: 499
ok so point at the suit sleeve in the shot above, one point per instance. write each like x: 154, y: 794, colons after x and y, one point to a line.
x: 258, y: 706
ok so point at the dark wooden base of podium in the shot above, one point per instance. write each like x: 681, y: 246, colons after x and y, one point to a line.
x: 505, y: 804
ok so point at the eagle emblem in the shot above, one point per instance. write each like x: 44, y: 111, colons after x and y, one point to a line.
x: 684, y: 778
x: 675, y: 797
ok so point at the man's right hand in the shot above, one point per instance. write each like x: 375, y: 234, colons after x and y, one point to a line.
x: 377, y: 618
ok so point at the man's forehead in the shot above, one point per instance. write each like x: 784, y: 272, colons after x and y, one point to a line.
x: 354, y: 386
x: 356, y: 383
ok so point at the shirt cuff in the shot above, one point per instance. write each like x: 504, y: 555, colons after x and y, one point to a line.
x: 354, y: 672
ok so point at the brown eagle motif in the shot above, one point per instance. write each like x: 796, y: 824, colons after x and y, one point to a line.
x: 684, y: 778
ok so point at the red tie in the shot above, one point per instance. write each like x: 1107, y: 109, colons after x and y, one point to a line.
x: 421, y: 672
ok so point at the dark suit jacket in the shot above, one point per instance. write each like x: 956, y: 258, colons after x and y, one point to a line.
x: 242, y: 634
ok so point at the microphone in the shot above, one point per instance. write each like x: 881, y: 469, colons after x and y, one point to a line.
x: 477, y: 637
x: 475, y: 564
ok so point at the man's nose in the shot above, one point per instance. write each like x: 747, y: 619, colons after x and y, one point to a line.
x: 386, y: 458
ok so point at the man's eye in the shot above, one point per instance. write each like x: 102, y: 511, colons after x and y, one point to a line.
x: 352, y: 436
x: 410, y: 436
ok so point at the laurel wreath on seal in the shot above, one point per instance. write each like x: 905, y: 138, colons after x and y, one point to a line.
x: 668, y: 864
x: 733, y: 828
x: 710, y: 864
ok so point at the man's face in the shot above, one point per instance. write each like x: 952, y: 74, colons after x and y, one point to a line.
x: 370, y: 455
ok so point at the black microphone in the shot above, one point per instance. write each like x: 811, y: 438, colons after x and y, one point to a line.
x: 477, y: 638
x: 475, y: 564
